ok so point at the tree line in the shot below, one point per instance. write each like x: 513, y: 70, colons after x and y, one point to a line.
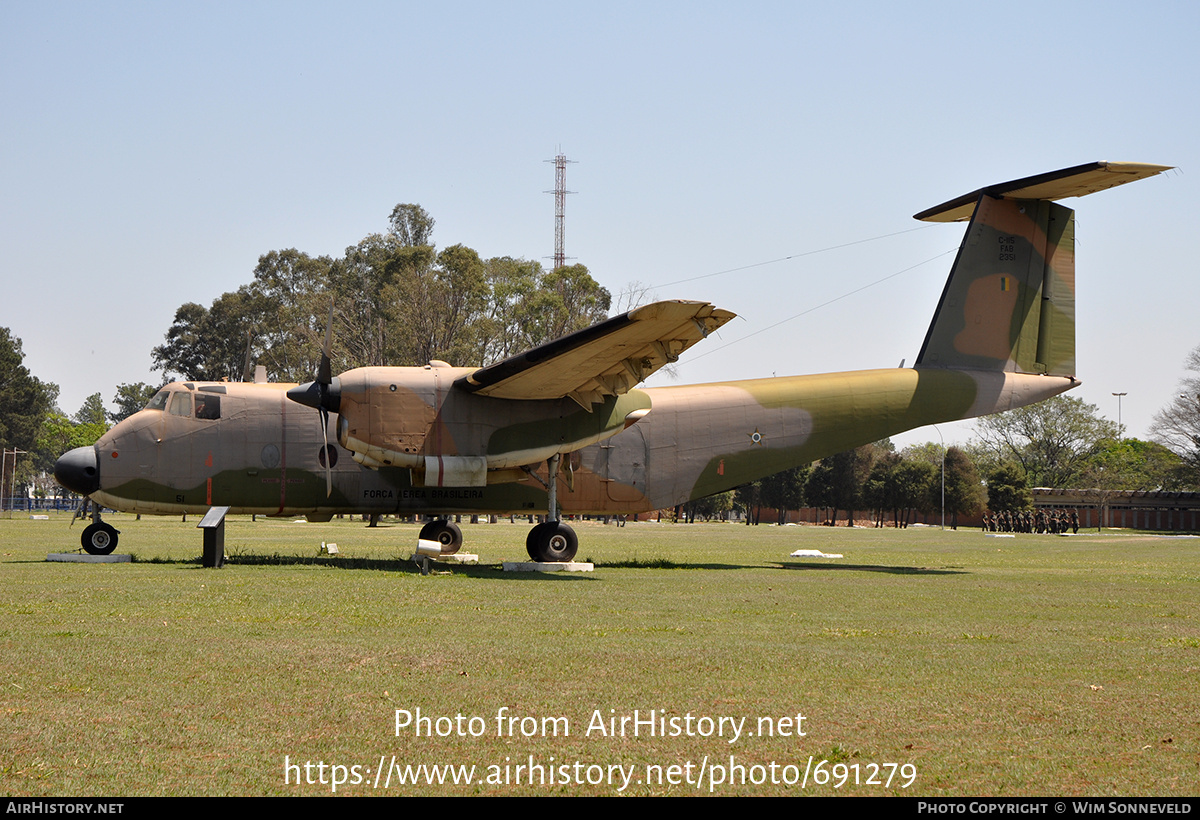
x: 874, y: 478
x: 1063, y: 442
x: 396, y: 298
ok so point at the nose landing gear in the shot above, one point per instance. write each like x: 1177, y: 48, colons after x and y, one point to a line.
x: 99, y: 538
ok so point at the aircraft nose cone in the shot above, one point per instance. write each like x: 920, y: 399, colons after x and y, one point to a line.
x: 78, y: 470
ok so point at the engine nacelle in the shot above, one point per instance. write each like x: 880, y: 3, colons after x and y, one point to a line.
x: 415, y: 417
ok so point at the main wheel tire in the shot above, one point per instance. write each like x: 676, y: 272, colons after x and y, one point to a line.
x: 447, y: 533
x: 553, y: 541
x: 532, y: 540
x: 99, y: 538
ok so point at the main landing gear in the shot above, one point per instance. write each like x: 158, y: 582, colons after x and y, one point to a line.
x: 99, y: 538
x: 547, y: 542
x: 445, y: 532
x: 552, y: 540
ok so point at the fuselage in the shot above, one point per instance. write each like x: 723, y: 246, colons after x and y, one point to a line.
x: 246, y: 446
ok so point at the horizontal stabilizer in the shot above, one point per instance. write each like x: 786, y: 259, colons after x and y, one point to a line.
x: 1009, y: 303
x: 606, y: 359
x: 1078, y: 181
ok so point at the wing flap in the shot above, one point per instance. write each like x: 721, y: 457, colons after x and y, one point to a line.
x: 607, y: 359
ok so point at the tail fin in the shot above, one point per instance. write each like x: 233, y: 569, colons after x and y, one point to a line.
x: 1009, y: 302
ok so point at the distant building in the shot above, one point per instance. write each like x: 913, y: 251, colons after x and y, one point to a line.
x: 1132, y: 509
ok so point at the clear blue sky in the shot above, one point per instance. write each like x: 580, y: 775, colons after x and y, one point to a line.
x: 150, y: 152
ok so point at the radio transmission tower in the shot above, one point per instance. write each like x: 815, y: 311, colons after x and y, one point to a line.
x: 560, y: 206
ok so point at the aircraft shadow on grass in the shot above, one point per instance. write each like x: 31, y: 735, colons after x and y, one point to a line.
x: 489, y: 570
x: 874, y: 568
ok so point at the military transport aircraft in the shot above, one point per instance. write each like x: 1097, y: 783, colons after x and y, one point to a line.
x: 564, y: 427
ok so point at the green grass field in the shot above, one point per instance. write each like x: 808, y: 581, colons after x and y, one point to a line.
x: 993, y: 666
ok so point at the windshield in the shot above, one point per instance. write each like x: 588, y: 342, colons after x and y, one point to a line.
x: 159, y: 401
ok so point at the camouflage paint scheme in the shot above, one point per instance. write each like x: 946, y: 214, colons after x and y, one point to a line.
x: 442, y: 440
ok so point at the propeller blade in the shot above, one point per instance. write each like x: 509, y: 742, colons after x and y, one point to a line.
x: 324, y: 372
x: 328, y: 460
x: 246, y: 369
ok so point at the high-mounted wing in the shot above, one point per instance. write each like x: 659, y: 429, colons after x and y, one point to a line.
x: 1077, y: 181
x: 606, y: 359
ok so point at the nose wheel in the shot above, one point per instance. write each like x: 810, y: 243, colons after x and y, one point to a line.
x: 99, y: 538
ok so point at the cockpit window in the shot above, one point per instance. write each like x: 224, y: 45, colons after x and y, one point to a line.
x: 181, y: 404
x: 208, y: 407
x: 159, y: 402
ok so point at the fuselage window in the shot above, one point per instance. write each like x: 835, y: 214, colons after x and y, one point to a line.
x: 159, y: 402
x: 208, y: 407
x: 181, y: 404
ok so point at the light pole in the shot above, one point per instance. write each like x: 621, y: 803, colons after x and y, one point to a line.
x: 3, y: 461
x: 1120, y: 427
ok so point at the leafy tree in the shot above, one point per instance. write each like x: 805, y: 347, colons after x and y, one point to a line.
x: 915, y: 480
x: 1051, y: 440
x: 184, y: 352
x: 25, y: 401
x: 397, y: 300
x: 784, y: 491
x: 130, y: 398
x: 901, y: 484
x: 568, y: 299
x: 411, y: 225
x: 286, y: 308
x: 964, y: 491
x: 1008, y: 489
x: 236, y: 324
x: 713, y: 506
x: 503, y: 330
x: 92, y: 411
x: 837, y: 482
x: 930, y: 452
x: 921, y: 477
x: 275, y: 317
x: 985, y: 459
x: 60, y: 433
x: 452, y: 296
x: 366, y: 300
x: 1132, y: 464
x: 748, y: 497
x: 879, y: 491
x: 1178, y: 424
x: 208, y: 344
x: 818, y: 489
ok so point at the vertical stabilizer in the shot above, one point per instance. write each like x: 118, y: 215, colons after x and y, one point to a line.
x: 1009, y: 302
